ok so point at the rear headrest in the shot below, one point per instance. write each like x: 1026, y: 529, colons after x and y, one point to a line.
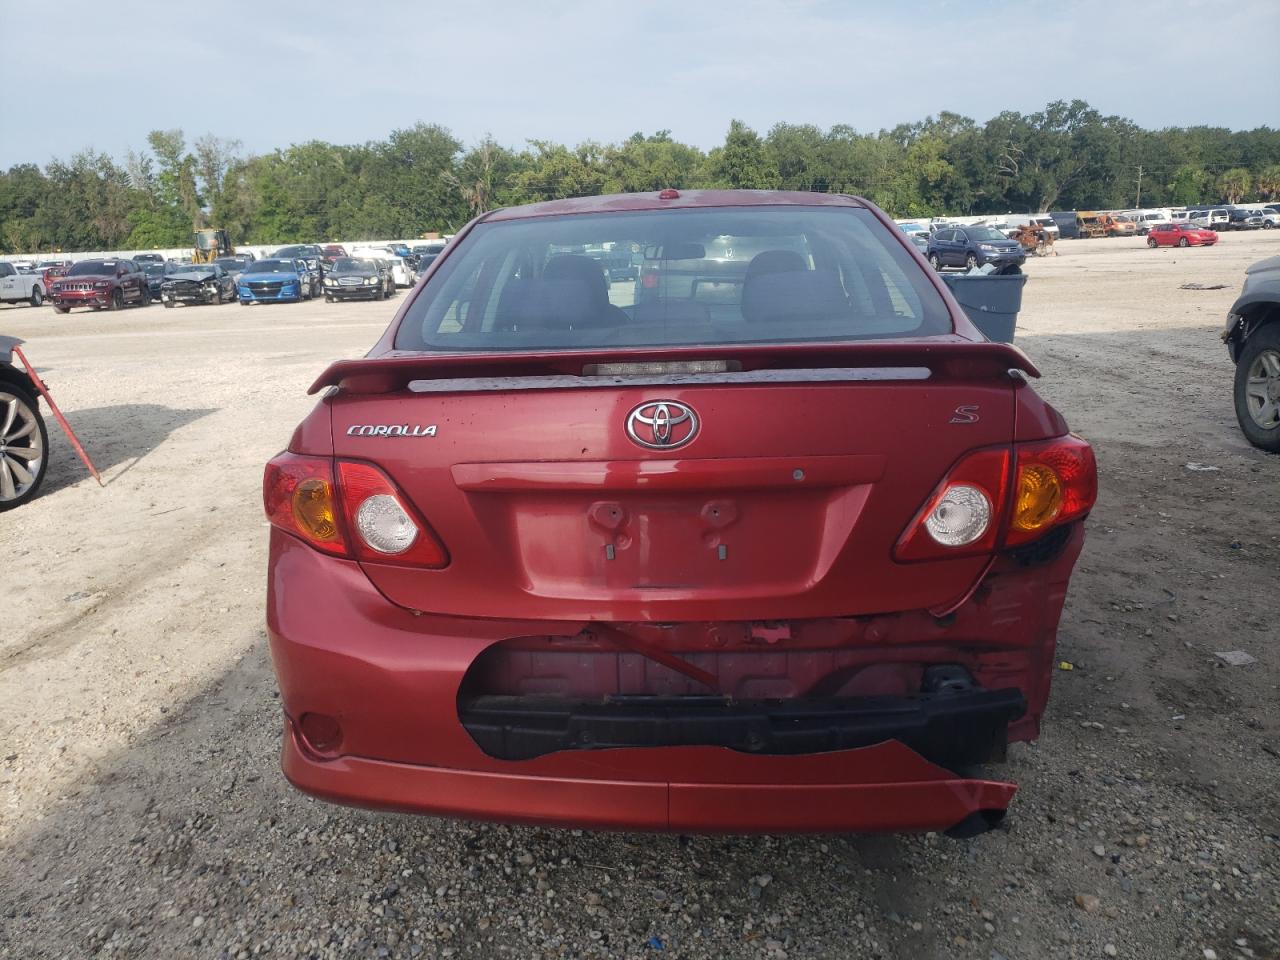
x: 571, y: 292
x: 774, y: 261
x: 794, y: 295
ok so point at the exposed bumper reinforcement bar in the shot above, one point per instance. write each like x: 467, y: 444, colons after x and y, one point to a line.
x: 949, y: 729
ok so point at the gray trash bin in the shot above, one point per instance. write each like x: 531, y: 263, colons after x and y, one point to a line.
x: 991, y: 302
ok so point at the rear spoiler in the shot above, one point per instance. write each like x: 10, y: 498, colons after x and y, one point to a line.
x: 951, y: 357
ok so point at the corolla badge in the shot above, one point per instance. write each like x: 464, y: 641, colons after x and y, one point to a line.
x: 662, y: 424
x: 391, y: 430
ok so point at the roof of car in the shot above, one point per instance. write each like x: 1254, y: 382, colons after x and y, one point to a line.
x: 688, y: 198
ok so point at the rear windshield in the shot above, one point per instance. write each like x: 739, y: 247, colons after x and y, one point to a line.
x: 707, y: 276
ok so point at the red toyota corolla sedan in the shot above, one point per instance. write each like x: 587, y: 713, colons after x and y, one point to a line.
x: 1181, y: 235
x: 766, y: 537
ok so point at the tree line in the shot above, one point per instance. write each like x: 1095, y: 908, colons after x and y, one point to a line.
x: 423, y: 178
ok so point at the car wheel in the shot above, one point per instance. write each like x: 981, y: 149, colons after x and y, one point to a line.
x: 217, y: 297
x: 328, y: 299
x: 37, y: 296
x: 1151, y: 242
x: 117, y: 300
x: 168, y: 304
x: 970, y: 261
x: 58, y: 309
x: 1184, y: 242
x: 1257, y: 388
x: 935, y: 262
x: 24, y: 445
x: 1267, y: 224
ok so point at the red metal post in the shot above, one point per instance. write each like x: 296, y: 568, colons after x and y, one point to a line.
x: 66, y: 427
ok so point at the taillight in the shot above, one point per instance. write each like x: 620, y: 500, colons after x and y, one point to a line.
x: 978, y: 508
x: 357, y: 513
x: 382, y: 524
x: 962, y: 517
x: 298, y: 494
x: 1056, y: 483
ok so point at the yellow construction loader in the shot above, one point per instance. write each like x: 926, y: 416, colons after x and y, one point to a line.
x: 211, y: 244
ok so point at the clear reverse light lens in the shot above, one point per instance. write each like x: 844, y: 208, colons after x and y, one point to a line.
x: 960, y: 517
x: 384, y: 525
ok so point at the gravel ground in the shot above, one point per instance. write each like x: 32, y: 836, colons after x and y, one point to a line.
x: 142, y: 812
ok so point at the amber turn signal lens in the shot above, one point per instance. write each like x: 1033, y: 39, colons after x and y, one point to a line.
x: 313, y: 509
x: 1039, y: 497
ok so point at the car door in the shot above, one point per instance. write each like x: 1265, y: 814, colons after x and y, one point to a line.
x: 955, y: 248
x: 942, y: 246
x: 8, y: 282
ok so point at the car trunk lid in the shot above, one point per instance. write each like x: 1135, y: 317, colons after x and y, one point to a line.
x: 805, y: 469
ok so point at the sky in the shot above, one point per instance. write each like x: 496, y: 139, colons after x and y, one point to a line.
x: 270, y: 74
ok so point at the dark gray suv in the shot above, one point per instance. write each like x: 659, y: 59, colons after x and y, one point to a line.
x: 971, y: 247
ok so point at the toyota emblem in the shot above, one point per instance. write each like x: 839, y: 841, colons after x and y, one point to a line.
x: 662, y: 424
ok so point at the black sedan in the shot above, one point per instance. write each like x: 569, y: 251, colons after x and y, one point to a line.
x: 198, y: 283
x: 353, y: 278
x: 971, y: 247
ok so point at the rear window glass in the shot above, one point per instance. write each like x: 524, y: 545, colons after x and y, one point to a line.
x: 708, y: 276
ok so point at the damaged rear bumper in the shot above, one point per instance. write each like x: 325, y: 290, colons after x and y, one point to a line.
x: 489, y: 719
x: 883, y: 788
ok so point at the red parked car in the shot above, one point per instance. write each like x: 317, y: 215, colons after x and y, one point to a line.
x: 332, y: 252
x: 779, y: 545
x: 1180, y: 235
x: 101, y: 284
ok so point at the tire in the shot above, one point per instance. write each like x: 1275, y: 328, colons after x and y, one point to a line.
x: 37, y: 296
x: 970, y: 261
x: 117, y: 300
x: 1267, y: 224
x: 328, y: 298
x: 144, y: 298
x: 1151, y: 242
x: 244, y: 303
x: 58, y: 309
x: 17, y: 455
x: 1184, y: 242
x: 217, y: 297
x: 1257, y: 388
x: 168, y: 304
x: 935, y: 262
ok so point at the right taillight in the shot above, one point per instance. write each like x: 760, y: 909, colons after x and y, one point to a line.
x: 1056, y: 482
x: 979, y: 508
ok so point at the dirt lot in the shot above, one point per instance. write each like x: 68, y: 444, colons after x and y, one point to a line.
x: 142, y: 812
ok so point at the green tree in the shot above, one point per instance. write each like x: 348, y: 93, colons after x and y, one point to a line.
x: 1235, y: 184
x: 742, y: 163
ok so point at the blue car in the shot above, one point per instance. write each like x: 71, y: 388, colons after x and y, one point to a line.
x: 266, y: 281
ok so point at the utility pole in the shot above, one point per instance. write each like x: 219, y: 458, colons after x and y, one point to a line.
x: 1138, y: 202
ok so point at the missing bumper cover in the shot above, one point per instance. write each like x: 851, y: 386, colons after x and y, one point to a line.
x: 951, y: 729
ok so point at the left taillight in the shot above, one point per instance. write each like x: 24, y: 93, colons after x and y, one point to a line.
x: 349, y: 509
x: 299, y: 495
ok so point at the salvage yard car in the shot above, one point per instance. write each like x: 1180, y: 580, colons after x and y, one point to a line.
x: 101, y: 284
x: 349, y: 278
x: 24, y: 441
x: 1252, y: 336
x: 197, y: 283
x: 18, y: 287
x: 1181, y: 234
x: 971, y: 247
x: 273, y: 280
x: 779, y: 549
